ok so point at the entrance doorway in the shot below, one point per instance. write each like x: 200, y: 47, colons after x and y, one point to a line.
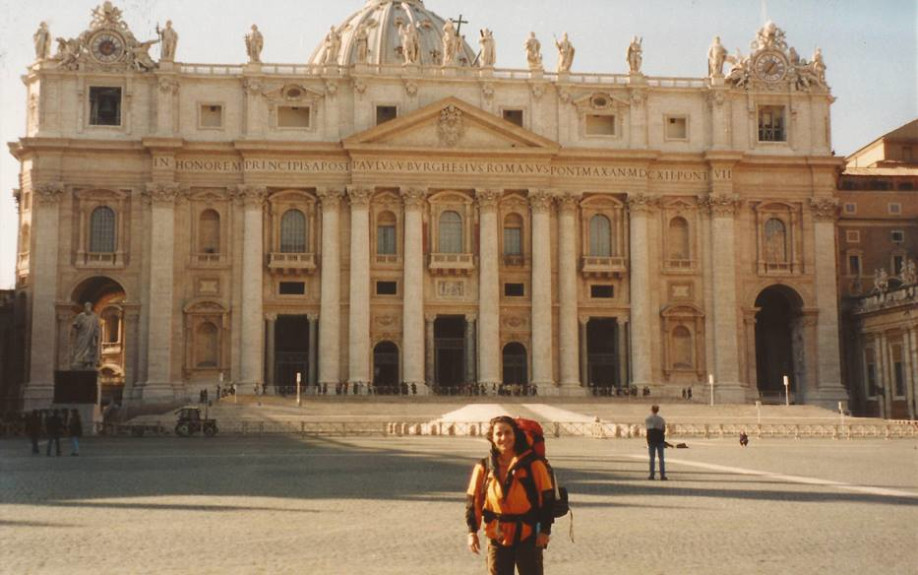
x: 602, y: 354
x: 385, y: 368
x: 778, y: 342
x: 106, y: 296
x: 449, y: 351
x: 291, y: 352
x: 516, y: 367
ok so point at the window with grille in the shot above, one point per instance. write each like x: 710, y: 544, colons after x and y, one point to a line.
x: 450, y: 233
x: 683, y: 355
x: 209, y: 232
x: 775, y: 241
x: 513, y: 235
x: 385, y: 234
x: 678, y: 239
x: 771, y: 124
x: 854, y: 265
x: 600, y: 236
x: 102, y: 231
x: 293, y: 232
x: 206, y: 345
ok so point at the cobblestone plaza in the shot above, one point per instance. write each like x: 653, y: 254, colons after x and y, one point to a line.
x: 385, y: 505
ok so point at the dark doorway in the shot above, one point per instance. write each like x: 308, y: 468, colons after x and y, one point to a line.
x: 449, y: 355
x: 602, y: 352
x: 777, y: 338
x: 106, y: 297
x: 291, y: 352
x: 516, y: 368
x: 385, y: 367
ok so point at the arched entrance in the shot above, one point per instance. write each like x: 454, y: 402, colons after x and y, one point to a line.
x: 779, y: 343
x: 106, y: 297
x: 385, y: 368
x: 516, y: 371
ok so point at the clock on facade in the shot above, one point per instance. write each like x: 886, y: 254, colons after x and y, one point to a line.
x: 770, y: 66
x: 107, y: 47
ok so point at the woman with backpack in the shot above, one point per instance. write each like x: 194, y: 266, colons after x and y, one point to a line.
x: 511, y: 492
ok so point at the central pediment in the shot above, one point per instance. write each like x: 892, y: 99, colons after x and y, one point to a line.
x: 450, y: 124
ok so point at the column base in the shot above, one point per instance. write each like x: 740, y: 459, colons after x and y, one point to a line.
x: 158, y: 392
x: 547, y: 388
x: 829, y: 395
x: 572, y: 389
x: 732, y: 392
x: 37, y: 395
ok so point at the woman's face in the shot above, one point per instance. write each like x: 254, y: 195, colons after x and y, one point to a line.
x: 503, y: 437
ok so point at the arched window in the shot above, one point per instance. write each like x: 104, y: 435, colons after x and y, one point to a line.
x: 102, y: 231
x: 679, y: 239
x: 111, y: 326
x: 385, y: 234
x: 209, y: 232
x: 683, y: 358
x: 206, y: 345
x: 293, y: 232
x: 450, y: 233
x: 775, y: 241
x: 600, y: 236
x: 513, y: 235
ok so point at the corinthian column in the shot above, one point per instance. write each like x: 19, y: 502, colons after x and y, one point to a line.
x: 540, y: 202
x: 252, y: 348
x: 162, y: 199
x: 640, y: 206
x: 488, y: 290
x: 413, y: 289
x: 567, y: 294
x: 330, y: 304
x: 43, y: 271
x: 359, y: 314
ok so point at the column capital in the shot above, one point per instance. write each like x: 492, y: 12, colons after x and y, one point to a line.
x: 413, y: 198
x: 540, y: 200
x: 162, y: 194
x: 641, y: 203
x: 568, y: 202
x: 721, y: 204
x: 271, y: 316
x: 49, y: 193
x: 250, y: 195
x: 824, y: 209
x: 471, y: 317
x: 583, y: 320
x: 430, y: 317
x: 312, y: 317
x: 330, y: 198
x: 488, y: 199
x: 359, y: 196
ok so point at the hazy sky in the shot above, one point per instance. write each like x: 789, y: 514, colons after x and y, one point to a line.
x: 869, y: 46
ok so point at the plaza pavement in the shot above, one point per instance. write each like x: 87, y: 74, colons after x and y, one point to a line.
x: 279, y: 504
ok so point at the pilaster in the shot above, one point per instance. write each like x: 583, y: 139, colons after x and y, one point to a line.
x: 540, y: 202
x: 640, y: 207
x: 359, y: 312
x: 568, y: 207
x: 330, y: 302
x: 488, y: 289
x: 414, y: 200
x: 252, y: 350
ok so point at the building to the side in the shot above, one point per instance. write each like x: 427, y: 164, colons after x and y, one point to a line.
x: 878, y: 280
x: 398, y: 212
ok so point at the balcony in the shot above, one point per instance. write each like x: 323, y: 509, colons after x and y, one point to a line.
x: 603, y: 267
x: 780, y: 268
x: 679, y: 265
x: 451, y: 264
x: 100, y: 260
x: 292, y: 263
x: 515, y: 261
x: 208, y: 260
x: 388, y: 260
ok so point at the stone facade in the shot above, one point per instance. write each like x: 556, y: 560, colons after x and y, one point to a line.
x: 387, y: 218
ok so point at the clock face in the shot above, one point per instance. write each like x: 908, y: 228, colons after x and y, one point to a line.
x: 771, y: 67
x: 107, y: 47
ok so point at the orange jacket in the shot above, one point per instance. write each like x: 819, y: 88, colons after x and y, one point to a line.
x: 505, y: 509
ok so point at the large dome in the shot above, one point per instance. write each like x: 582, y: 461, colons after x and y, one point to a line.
x: 382, y: 20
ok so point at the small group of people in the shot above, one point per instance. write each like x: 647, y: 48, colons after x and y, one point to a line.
x: 52, y: 424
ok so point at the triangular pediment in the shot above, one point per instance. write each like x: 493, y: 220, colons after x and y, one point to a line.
x: 450, y: 124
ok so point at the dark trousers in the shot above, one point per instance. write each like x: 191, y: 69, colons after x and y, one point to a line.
x: 57, y: 442
x: 654, y: 450
x: 34, y: 439
x: 526, y: 557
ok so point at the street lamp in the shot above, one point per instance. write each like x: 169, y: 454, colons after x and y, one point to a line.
x: 299, y: 400
x: 711, y: 383
x: 786, y: 391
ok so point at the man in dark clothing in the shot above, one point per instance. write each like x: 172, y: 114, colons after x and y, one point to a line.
x: 656, y: 440
x: 33, y: 429
x: 54, y: 424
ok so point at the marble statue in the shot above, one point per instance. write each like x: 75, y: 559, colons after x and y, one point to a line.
x: 68, y: 52
x: 86, y: 328
x: 909, y: 274
x: 141, y: 56
x: 169, y: 40
x: 451, y: 43
x: 534, y: 52
x: 42, y: 39
x: 819, y: 66
x: 717, y: 55
x: 411, y: 43
x: 881, y: 280
x: 332, y: 46
x: 566, y: 53
x: 488, y: 50
x: 254, y: 42
x: 363, y: 48
x: 635, y: 55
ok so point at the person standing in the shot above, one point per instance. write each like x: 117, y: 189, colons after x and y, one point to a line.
x: 510, y: 491
x: 75, y: 431
x: 53, y: 426
x: 656, y: 440
x: 33, y: 429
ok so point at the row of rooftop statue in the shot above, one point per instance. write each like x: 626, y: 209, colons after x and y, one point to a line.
x: 804, y: 74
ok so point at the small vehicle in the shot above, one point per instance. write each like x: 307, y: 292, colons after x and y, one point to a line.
x: 190, y: 422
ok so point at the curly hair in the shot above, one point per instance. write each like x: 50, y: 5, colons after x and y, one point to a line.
x: 520, y: 443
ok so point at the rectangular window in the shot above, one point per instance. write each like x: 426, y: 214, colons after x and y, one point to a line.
x: 211, y: 116
x: 853, y: 236
x: 293, y: 117
x: 385, y: 241
x: 854, y: 265
x: 850, y: 208
x: 386, y: 288
x: 898, y: 371
x: 870, y: 368
x: 602, y: 291
x: 676, y: 128
x: 513, y: 243
x: 771, y: 124
x: 898, y: 263
x: 514, y: 117
x: 895, y: 208
x: 385, y: 113
x: 292, y: 288
x: 600, y: 125
x: 897, y: 236
x: 104, y: 106
x: 514, y: 290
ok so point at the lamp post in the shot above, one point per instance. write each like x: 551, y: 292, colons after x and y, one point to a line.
x: 786, y: 391
x: 711, y: 383
x: 299, y: 400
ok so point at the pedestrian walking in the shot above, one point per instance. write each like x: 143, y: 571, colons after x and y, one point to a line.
x: 512, y: 494
x: 53, y: 425
x: 656, y: 440
x: 33, y: 429
x: 75, y: 431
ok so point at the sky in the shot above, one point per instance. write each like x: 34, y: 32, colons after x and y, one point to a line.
x: 870, y: 48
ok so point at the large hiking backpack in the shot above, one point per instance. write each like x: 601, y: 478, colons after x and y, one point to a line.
x: 536, y: 437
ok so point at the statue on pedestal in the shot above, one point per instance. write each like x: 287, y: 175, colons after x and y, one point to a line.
x: 254, y: 42
x: 411, y: 43
x: 450, y: 43
x: 635, y: 55
x: 85, y: 351
x: 488, y: 50
x: 42, y: 39
x: 332, y: 46
x: 169, y: 38
x: 566, y: 53
x: 717, y: 55
x: 534, y: 52
x: 363, y: 49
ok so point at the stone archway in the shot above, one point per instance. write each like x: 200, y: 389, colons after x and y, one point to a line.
x: 106, y: 297
x: 779, y: 344
x: 515, y: 364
